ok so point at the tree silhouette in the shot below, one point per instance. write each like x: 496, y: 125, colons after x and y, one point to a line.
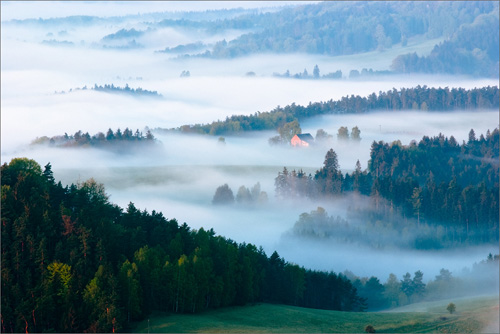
x: 451, y: 308
x: 223, y: 195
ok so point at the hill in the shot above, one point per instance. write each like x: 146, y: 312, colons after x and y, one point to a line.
x: 473, y: 315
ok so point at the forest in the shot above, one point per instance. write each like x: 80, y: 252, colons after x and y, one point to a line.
x: 438, y: 191
x: 336, y: 28
x: 74, y: 262
x: 418, y: 98
x: 467, y: 52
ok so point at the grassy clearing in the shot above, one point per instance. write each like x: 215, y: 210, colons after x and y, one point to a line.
x: 472, y: 316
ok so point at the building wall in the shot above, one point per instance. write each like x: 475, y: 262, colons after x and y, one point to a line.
x: 297, y: 142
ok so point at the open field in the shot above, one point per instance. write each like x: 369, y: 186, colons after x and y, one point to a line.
x: 473, y: 315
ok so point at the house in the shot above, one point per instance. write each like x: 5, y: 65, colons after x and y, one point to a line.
x: 302, y: 140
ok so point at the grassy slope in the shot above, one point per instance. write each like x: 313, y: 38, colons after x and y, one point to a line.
x: 472, y: 316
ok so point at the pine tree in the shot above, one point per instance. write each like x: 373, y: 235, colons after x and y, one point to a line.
x: 331, y: 162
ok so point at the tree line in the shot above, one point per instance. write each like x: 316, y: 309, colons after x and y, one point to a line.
x: 482, y: 278
x: 353, y: 74
x: 80, y: 139
x: 245, y: 196
x: 470, y: 32
x: 342, y: 29
x: 436, y: 181
x: 111, y: 88
x: 417, y: 98
x: 74, y: 262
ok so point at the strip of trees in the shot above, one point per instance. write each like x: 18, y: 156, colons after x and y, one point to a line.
x: 110, y: 139
x: 418, y: 98
x: 482, y: 278
x: 111, y: 88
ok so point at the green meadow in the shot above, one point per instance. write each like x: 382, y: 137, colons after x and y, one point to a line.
x: 473, y: 315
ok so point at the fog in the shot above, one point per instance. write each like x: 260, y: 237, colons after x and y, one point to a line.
x: 179, y: 178
x: 180, y: 174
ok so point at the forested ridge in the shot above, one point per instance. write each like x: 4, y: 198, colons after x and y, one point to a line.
x: 418, y: 98
x: 74, y: 262
x: 436, y: 184
x: 336, y: 28
x: 469, y: 30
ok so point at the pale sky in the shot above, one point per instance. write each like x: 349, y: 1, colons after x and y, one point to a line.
x: 49, y: 9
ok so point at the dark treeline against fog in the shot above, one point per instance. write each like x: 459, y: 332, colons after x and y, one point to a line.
x: 422, y: 179
x: 418, y: 98
x: 139, y: 92
x: 103, y: 267
x: 127, y: 139
x: 178, y: 157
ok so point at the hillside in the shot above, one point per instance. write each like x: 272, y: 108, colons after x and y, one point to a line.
x: 473, y: 315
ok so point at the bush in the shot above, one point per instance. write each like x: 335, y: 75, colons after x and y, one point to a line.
x: 451, y: 308
x: 369, y: 329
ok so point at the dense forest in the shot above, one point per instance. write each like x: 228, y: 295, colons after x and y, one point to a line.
x: 336, y: 28
x: 472, y: 50
x: 73, y: 262
x: 439, y: 191
x: 417, y: 98
x: 111, y: 139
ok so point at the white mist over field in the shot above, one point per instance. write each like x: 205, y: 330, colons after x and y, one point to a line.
x: 180, y: 176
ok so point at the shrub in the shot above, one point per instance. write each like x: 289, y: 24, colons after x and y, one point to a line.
x: 369, y: 329
x: 451, y: 308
